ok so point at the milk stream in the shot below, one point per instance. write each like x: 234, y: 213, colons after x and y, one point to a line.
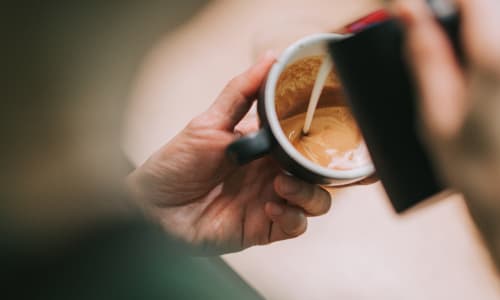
x: 324, y: 70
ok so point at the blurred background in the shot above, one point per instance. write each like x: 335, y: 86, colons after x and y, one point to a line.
x: 67, y: 69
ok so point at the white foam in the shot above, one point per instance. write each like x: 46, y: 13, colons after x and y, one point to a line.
x: 351, y: 159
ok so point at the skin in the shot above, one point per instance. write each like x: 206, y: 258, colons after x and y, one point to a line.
x: 202, y: 198
x: 459, y: 106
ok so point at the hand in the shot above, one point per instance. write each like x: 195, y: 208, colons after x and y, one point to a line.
x: 460, y: 107
x: 202, y: 198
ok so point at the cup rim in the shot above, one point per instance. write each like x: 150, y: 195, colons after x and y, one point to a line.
x: 272, y: 117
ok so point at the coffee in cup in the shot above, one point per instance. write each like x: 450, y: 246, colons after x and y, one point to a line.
x: 283, y: 99
x: 334, y: 140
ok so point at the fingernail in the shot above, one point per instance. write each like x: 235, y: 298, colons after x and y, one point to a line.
x: 269, y: 54
x: 288, y: 185
x: 275, y: 209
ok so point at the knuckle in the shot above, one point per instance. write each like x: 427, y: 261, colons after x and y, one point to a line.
x: 197, y: 122
x: 299, y: 229
x: 201, y: 121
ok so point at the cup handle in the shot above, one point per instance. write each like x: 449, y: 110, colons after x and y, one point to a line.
x: 250, y: 147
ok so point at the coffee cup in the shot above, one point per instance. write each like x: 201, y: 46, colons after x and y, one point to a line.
x: 271, y: 139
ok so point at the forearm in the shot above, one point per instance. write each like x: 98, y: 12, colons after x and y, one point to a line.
x: 485, y: 214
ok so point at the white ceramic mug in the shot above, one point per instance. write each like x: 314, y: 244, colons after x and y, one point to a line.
x: 271, y: 139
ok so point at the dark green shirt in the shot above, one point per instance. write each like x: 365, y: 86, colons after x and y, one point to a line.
x: 129, y: 260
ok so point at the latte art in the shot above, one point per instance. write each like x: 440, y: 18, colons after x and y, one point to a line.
x: 334, y: 140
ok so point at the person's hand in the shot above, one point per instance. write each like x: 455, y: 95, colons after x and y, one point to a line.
x: 202, y: 198
x: 460, y: 107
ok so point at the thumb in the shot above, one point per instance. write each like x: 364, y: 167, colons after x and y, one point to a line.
x: 237, y: 97
x: 438, y: 75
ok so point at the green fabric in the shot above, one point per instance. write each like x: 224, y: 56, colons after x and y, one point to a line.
x: 126, y: 261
